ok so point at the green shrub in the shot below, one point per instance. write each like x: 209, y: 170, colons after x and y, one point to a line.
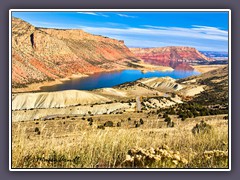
x: 119, y: 124
x: 108, y: 124
x: 36, y: 129
x: 225, y: 117
x: 167, y: 119
x: 101, y: 127
x: 137, y: 125
x: 170, y: 124
x: 201, y: 128
x: 165, y: 115
x: 90, y: 119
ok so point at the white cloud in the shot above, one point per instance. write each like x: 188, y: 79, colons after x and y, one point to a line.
x: 104, y: 15
x: 200, y: 37
x: 126, y: 16
x: 94, y: 14
x: 209, y: 30
x: 113, y: 24
x: 53, y: 25
x: 210, y: 33
x: 145, y: 43
x: 89, y: 13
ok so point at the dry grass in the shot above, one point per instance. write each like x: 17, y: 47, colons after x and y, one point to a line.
x: 207, y: 68
x: 74, y: 144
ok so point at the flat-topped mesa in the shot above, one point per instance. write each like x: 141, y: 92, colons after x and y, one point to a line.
x: 43, y: 54
x: 78, y: 34
x: 177, y: 57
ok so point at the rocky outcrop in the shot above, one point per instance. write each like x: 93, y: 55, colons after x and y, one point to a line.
x: 175, y: 57
x: 162, y: 84
x: 40, y: 54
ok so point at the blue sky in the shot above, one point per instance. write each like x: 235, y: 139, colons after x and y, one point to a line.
x: 203, y: 30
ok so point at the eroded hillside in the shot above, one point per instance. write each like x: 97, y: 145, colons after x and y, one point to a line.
x: 215, y: 87
x: 176, y: 57
x: 207, y: 89
x: 40, y: 54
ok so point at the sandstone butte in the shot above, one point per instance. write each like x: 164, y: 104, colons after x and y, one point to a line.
x: 42, y: 54
x: 177, y: 57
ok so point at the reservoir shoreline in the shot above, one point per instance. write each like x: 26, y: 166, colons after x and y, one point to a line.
x: 114, y: 78
x: 37, y: 87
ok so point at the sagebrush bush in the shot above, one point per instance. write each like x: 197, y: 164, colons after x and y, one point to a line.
x: 158, y: 157
x: 108, y: 124
x: 201, y: 128
x: 119, y: 124
x: 101, y: 127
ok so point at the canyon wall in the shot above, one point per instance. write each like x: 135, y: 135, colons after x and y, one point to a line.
x: 176, y: 57
x: 40, y: 54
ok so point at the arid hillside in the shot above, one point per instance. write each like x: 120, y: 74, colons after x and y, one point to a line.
x: 180, y: 124
x: 215, y: 85
x: 208, y: 89
x: 173, y: 56
x: 40, y: 54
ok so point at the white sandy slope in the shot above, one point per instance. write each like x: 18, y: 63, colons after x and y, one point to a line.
x: 112, y: 92
x: 55, y: 99
x: 193, y: 90
x: 166, y: 83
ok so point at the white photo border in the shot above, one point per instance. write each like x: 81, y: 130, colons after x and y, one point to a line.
x: 118, y: 10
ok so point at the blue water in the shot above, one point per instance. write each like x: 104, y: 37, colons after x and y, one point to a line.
x: 110, y: 79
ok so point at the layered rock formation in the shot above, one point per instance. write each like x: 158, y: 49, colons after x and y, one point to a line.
x: 162, y: 84
x: 40, y: 54
x: 175, y: 57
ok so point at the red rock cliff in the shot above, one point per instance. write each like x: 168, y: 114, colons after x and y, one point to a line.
x: 175, y: 57
x: 40, y: 54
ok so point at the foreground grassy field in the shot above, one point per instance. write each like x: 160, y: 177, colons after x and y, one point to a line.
x: 79, y: 142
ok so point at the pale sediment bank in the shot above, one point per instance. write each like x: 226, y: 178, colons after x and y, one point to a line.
x: 206, y: 68
x: 150, y: 68
x: 57, y: 99
x: 37, y: 86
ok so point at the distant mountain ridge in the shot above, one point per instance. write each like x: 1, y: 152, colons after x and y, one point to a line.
x: 211, y: 54
x: 177, y: 57
x: 217, y: 55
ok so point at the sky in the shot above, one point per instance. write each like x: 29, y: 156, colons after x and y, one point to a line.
x: 206, y: 31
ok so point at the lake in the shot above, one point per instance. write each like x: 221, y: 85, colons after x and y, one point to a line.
x: 110, y: 79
